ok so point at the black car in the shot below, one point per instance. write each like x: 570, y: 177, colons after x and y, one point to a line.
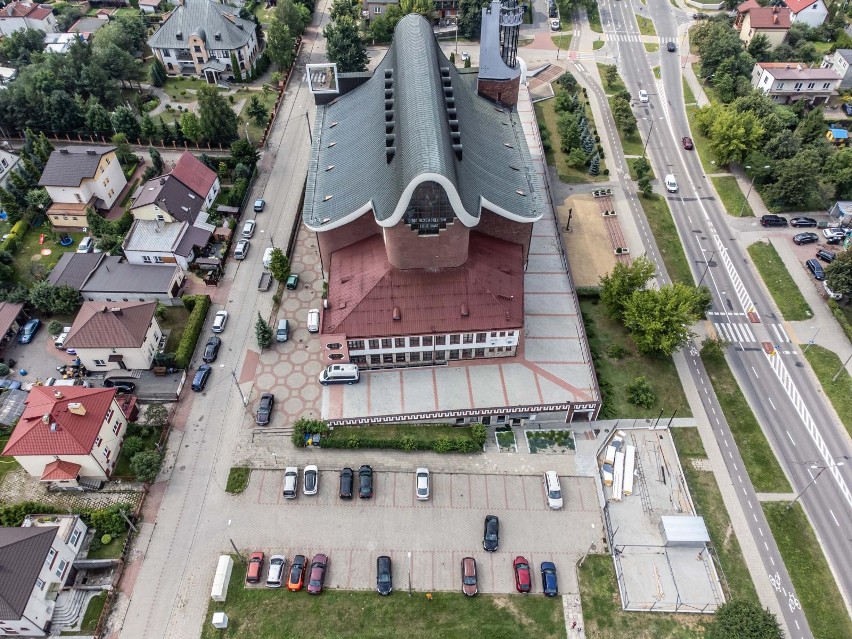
x: 826, y: 256
x: 803, y: 222
x: 670, y: 47
x: 805, y: 238
x: 816, y: 269
x: 211, y: 349
x: 201, y: 377
x: 120, y: 385
x: 264, y: 409
x: 346, y: 477
x: 384, y: 576
x: 773, y: 220
x: 491, y: 535
x: 365, y: 477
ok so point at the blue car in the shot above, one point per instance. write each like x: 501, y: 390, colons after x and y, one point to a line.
x: 28, y: 331
x: 548, y: 579
x: 201, y: 377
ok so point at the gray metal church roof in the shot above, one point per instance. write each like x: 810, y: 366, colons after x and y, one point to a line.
x: 207, y: 20
x: 495, y: 169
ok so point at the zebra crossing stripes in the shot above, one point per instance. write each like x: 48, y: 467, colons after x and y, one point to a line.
x: 636, y: 37
x: 779, y: 334
x: 732, y: 332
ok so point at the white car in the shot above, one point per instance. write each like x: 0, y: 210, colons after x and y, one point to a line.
x: 219, y: 321
x: 60, y: 339
x: 242, y: 249
x: 310, y: 480
x: 422, y: 483
x: 267, y: 257
x: 313, y: 320
x: 834, y: 232
x: 671, y: 183
x: 248, y: 229
x: 465, y: 56
x: 555, y: 24
x: 643, y: 96
x: 552, y: 489
x: 830, y: 293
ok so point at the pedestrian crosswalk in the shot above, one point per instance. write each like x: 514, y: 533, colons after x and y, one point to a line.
x: 636, y: 37
x: 779, y: 334
x: 732, y: 332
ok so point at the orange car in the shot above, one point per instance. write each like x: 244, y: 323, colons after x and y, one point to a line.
x: 297, y: 573
x: 255, y: 568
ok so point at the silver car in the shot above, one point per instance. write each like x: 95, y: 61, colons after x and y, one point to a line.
x: 242, y: 249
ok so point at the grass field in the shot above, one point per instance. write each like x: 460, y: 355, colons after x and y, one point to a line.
x: 561, y: 41
x: 605, y: 619
x: 815, y: 586
x: 825, y: 365
x: 238, y: 479
x: 656, y: 70
x: 708, y: 502
x: 702, y: 144
x: 174, y: 319
x: 732, y: 196
x: 646, y: 26
x: 111, y: 551
x: 7, y: 464
x: 122, y: 466
x: 780, y: 283
x: 394, y: 432
x: 29, y: 258
x: 546, y: 113
x: 619, y: 363
x: 91, y: 617
x: 632, y: 170
x: 653, y: 47
x: 263, y: 613
x: 267, y: 99
x: 688, y: 95
x: 665, y: 233
x: 631, y: 144
x: 598, y: 44
x: 615, y: 87
x: 759, y: 460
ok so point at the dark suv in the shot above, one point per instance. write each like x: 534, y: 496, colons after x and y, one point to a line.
x: 773, y: 220
x: 826, y: 256
x: 346, y: 480
x: 816, y: 269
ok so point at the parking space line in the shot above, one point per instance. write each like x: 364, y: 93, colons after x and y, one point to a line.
x: 503, y: 384
x: 469, y: 491
x: 393, y: 490
x: 260, y: 488
x: 401, y: 394
x: 524, y: 492
x: 435, y: 388
x: 487, y: 500
x: 349, y: 571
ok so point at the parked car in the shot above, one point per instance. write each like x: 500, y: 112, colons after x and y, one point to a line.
x: 255, y: 568
x: 121, y: 386
x: 291, y: 482
x: 555, y: 25
x: 670, y: 47
x: 259, y: 205
x: 346, y: 481
x: 10, y: 384
x: 242, y: 249
x: 264, y: 409
x: 211, y: 349
x: 699, y: 16
x: 282, y: 331
x: 469, y: 579
x: 267, y: 256
x: 86, y: 245
x: 491, y: 534
x: 834, y: 233
x: 248, y: 229
x: 465, y: 56
x: 59, y: 342
x: 276, y: 571
x: 826, y: 256
x: 803, y: 222
x: 297, y: 573
x: 773, y: 220
x: 292, y: 282
x: 830, y: 293
x: 552, y: 489
x: 316, y: 576
x: 816, y: 269
x: 310, y: 480
x: 805, y: 238
x: 313, y: 320
x: 523, y: 579
x: 365, y: 482
x: 384, y: 575
x: 549, y: 583
x: 687, y: 143
x: 219, y: 321
x: 201, y: 377
x: 28, y: 331
x: 422, y: 483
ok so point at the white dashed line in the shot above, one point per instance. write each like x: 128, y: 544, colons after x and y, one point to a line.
x: 790, y: 436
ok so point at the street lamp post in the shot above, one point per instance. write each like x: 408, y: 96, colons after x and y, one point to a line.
x: 812, y: 340
x: 409, y: 573
x: 813, y: 481
x: 751, y: 184
x: 650, y: 132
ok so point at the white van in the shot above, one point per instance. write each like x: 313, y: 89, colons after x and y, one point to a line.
x: 267, y: 257
x: 671, y: 183
x: 552, y: 490
x: 340, y: 374
x: 313, y: 320
x: 291, y: 482
x: 86, y: 245
x: 60, y: 339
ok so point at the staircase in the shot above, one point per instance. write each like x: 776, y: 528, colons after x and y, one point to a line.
x: 70, y: 605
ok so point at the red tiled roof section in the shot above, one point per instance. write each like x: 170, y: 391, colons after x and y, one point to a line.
x: 486, y: 293
x: 65, y: 433
x: 194, y: 174
x: 60, y: 470
x: 747, y: 6
x: 770, y: 18
x: 798, y: 5
x: 111, y: 325
x: 26, y: 10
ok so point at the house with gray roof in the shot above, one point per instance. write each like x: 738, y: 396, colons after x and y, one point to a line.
x: 155, y: 242
x: 788, y: 82
x: 199, y: 38
x: 840, y: 61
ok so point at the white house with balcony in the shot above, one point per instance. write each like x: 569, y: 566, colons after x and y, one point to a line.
x: 788, y: 82
x: 840, y: 61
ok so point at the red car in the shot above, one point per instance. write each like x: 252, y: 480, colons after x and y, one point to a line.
x: 523, y: 579
x: 469, y: 587
x: 316, y: 574
x: 687, y: 143
x: 255, y: 568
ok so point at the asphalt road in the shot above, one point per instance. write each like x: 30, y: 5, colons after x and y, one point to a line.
x: 800, y: 428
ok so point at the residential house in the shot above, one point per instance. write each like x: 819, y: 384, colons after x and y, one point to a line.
x: 166, y: 199
x: 12, y: 317
x: 37, y: 561
x: 61, y: 42
x: 17, y: 16
x: 68, y: 434
x: 444, y: 9
x: 121, y: 335
x: 197, y: 176
x: 199, y: 38
x: 8, y: 161
x: 810, y: 12
x: 150, y: 6
x: 838, y: 136
x: 110, y: 278
x: 840, y: 61
x: 787, y: 82
x: 89, y: 25
x: 155, y: 242
x: 77, y: 177
x: 753, y: 20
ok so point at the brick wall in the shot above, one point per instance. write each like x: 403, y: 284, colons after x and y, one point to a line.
x: 355, y: 231
x: 505, y: 91
x: 406, y: 249
x: 497, y: 226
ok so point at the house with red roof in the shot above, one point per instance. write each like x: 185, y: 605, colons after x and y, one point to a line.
x: 68, y: 434
x: 811, y: 12
x: 17, y: 16
x: 197, y: 177
x: 753, y: 20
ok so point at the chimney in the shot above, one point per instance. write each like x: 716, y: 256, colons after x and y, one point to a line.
x: 65, y: 151
x: 117, y: 311
x: 57, y: 395
x: 774, y: 19
x: 45, y: 419
x: 77, y: 408
x: 464, y: 310
x: 104, y: 309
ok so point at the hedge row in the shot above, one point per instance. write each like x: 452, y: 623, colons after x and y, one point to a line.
x: 198, y: 305
x: 841, y: 318
x: 407, y: 443
x: 16, y: 234
x: 106, y: 520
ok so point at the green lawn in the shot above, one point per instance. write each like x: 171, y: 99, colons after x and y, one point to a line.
x: 174, y: 319
x: 122, y: 466
x: 653, y: 47
x: 594, y: 17
x: 267, y: 98
x: 238, y: 479
x: 615, y: 87
x: 111, y: 551
x: 561, y: 41
x: 29, y: 261
x: 780, y: 283
x: 825, y: 365
x: 656, y: 70
x: 90, y: 619
x: 394, y: 432
x: 631, y: 144
x: 665, y: 233
x: 618, y: 363
x: 688, y: 95
x: 702, y: 144
x: 759, y: 460
x: 815, y: 586
x: 546, y: 113
x: 605, y: 619
x: 598, y: 44
x: 732, y: 196
x: 708, y: 502
x: 646, y: 26
x: 630, y: 167
x: 262, y: 613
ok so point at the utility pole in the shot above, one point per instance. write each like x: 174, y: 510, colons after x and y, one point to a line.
x: 239, y: 390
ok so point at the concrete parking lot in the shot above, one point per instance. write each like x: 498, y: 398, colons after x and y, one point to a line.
x: 438, y: 533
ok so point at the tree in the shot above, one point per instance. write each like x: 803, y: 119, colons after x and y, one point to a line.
x: 645, y: 186
x: 279, y: 265
x: 342, y: 9
x: 147, y: 128
x: 812, y: 127
x: 759, y: 48
x: 595, y: 165
x: 191, y: 126
x: 713, y: 348
x: 156, y: 160
x: 620, y: 283
x: 235, y: 68
x: 64, y: 113
x: 256, y: 110
x: 216, y: 118
x: 838, y: 274
x: 97, y: 118
x: 740, y: 619
x: 470, y: 18
x: 123, y: 121
x: 18, y: 48
x: 659, y: 321
x: 156, y: 416
x: 732, y: 135
x: 123, y: 151
x: 243, y: 152
x: 263, y: 332
x: 157, y: 73
x: 297, y: 16
x: 146, y: 465
x: 796, y: 179
x: 641, y: 393
x: 132, y: 445
x: 623, y: 116
x: 58, y: 300
x: 344, y: 46
x: 610, y: 74
x: 280, y: 44
x: 642, y: 167
x: 838, y: 171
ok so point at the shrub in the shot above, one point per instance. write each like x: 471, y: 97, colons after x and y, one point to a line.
x: 238, y: 479
x: 304, y: 427
x: 641, y: 393
x: 194, y: 325
x: 407, y: 443
x: 107, y: 521
x: 13, y: 516
x: 478, y: 435
x: 4, y: 370
x: 617, y: 351
x: 105, y: 540
x: 133, y: 445
x: 146, y: 465
x: 54, y: 328
x: 13, y: 238
x: 443, y: 444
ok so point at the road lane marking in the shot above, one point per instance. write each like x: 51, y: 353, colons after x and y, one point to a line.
x: 837, y: 523
x: 790, y: 436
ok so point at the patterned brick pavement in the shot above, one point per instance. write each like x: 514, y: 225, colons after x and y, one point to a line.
x: 18, y: 486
